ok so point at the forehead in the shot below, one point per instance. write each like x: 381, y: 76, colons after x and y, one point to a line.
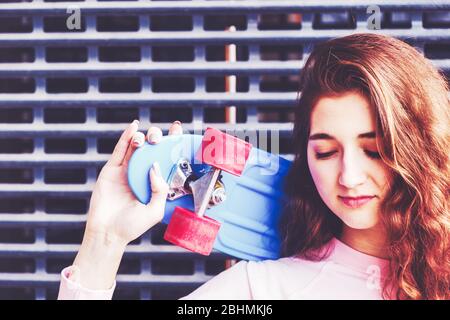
x: 345, y: 115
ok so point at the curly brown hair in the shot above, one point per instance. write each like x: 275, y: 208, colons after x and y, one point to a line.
x: 410, y: 99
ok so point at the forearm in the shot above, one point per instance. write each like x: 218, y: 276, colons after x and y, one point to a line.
x: 98, y: 260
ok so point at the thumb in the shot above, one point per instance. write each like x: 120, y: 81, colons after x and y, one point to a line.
x: 160, y: 189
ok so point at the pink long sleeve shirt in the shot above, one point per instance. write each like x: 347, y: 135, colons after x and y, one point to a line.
x: 345, y: 274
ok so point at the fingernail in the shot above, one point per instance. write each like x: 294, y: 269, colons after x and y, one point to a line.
x: 138, y: 141
x: 177, y: 122
x: 135, y: 121
x: 154, y: 137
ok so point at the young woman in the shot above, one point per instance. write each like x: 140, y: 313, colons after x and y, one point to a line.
x: 367, y: 216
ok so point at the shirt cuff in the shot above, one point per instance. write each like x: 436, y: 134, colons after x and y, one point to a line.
x: 70, y: 287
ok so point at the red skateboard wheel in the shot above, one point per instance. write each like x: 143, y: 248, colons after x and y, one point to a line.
x: 223, y: 151
x: 192, y: 232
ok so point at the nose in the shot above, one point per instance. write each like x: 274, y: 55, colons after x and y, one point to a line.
x: 352, y: 173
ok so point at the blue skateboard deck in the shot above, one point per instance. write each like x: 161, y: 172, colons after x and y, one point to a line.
x: 249, y: 215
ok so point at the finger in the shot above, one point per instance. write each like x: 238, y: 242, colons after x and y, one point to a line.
x: 122, y: 145
x: 136, y: 142
x: 146, y: 216
x: 160, y: 188
x: 176, y: 128
x: 154, y: 135
x: 154, y: 210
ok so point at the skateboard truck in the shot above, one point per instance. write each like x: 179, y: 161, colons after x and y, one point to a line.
x: 179, y: 179
x: 193, y: 230
x: 183, y: 181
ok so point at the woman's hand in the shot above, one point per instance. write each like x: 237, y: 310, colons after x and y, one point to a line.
x: 115, y: 216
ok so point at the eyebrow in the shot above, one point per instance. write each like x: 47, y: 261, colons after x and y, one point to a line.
x: 325, y: 136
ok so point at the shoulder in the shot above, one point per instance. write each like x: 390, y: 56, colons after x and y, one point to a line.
x: 229, y: 284
x: 278, y: 279
x: 268, y: 279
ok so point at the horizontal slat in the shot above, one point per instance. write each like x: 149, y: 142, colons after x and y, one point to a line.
x: 39, y: 219
x: 60, y: 160
x: 29, y: 279
x: 168, y: 69
x: 210, y: 37
x: 53, y: 160
x: 37, y: 189
x: 150, y: 68
x: 195, y: 99
x: 192, y: 7
x: 144, y: 250
x: 108, y: 130
x: 45, y: 279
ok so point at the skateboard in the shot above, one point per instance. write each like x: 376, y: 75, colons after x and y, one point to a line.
x: 224, y: 195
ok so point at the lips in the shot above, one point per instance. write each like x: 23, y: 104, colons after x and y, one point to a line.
x: 355, y: 202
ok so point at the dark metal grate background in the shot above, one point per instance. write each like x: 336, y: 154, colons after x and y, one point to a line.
x: 65, y: 96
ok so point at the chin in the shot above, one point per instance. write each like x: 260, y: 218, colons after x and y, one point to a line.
x: 359, y: 220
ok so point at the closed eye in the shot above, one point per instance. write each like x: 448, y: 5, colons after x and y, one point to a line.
x: 372, y: 154
x: 324, y: 155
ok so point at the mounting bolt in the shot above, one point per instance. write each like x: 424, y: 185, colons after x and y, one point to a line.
x: 218, y: 196
x: 184, y: 165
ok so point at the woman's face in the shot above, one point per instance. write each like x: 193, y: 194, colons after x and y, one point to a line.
x: 344, y: 161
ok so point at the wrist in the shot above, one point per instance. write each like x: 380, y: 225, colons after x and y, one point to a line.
x: 98, y: 259
x: 105, y: 240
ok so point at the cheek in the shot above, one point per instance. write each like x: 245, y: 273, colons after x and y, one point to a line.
x: 323, y: 174
x: 382, y: 176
